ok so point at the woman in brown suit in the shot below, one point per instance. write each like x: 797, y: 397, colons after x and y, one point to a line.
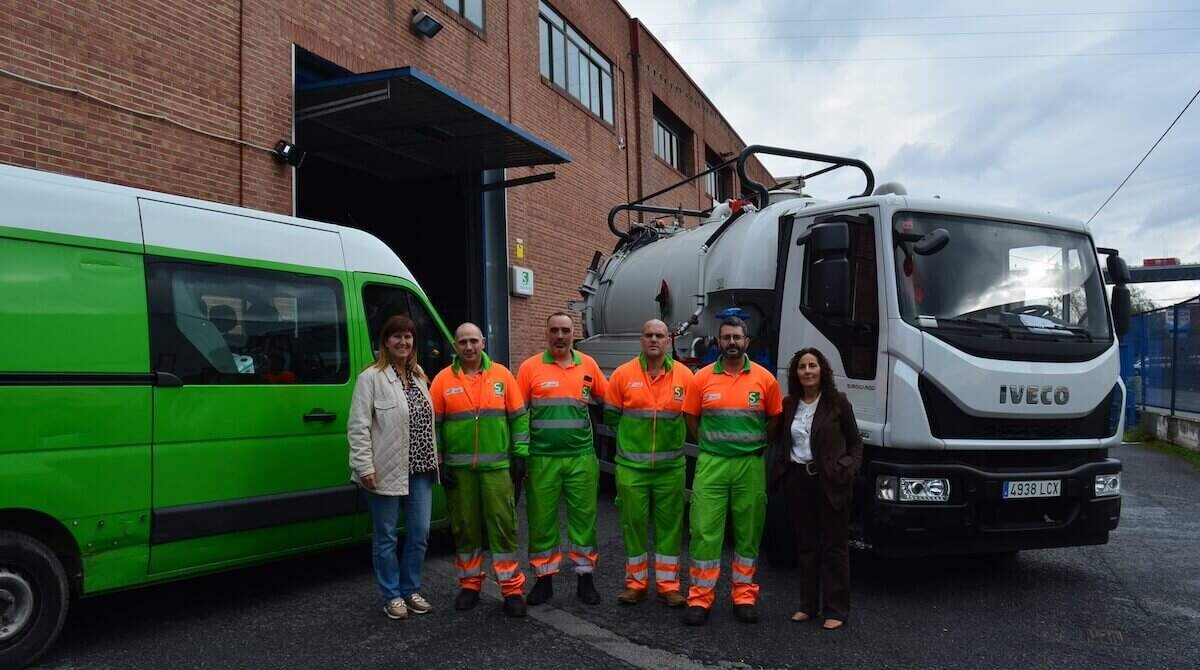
x: 817, y: 450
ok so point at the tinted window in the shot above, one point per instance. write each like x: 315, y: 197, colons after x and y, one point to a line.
x: 219, y: 324
x: 382, y: 302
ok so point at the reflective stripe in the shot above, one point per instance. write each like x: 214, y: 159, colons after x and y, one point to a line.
x: 706, y: 565
x: 518, y: 413
x: 652, y: 414
x: 467, y: 416
x: 559, y: 423
x: 576, y: 549
x: 467, y: 558
x: 503, y: 557
x: 502, y: 575
x: 748, y: 562
x: 703, y: 583
x: 739, y: 413
x: 557, y: 402
x: 739, y: 578
x: 613, y: 408
x: 664, y: 575
x: 549, y: 553
x: 546, y: 569
x: 649, y: 458
x: 520, y: 437
x: 737, y: 438
x: 471, y: 458
x: 664, y: 560
x: 640, y: 575
x: 636, y: 560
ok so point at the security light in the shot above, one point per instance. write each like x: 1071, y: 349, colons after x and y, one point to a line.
x: 288, y: 153
x: 424, y: 24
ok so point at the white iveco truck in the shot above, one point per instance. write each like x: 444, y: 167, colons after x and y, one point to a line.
x: 975, y: 343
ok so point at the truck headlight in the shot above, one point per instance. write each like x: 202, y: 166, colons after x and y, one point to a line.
x: 924, y: 490
x: 1108, y: 485
x: 885, y: 488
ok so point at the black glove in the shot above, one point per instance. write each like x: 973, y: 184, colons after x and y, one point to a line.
x: 446, y: 478
x: 516, y: 470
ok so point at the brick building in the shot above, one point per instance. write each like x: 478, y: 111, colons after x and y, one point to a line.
x: 191, y: 98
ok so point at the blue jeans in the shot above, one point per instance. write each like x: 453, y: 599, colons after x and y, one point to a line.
x: 400, y: 577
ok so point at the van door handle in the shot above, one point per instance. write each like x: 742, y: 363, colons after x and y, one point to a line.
x: 319, y: 415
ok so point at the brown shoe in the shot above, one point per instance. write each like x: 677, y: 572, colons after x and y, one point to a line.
x: 631, y: 596
x: 673, y: 599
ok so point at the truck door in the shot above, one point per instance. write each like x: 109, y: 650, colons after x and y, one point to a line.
x: 829, y: 288
x: 253, y: 383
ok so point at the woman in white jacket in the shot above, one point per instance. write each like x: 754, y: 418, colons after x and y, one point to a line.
x: 393, y: 457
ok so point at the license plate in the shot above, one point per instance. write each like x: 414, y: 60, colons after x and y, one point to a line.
x: 1040, y: 488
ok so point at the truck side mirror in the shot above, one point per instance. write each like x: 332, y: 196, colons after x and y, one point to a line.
x: 1122, y: 309
x: 1118, y: 270
x: 827, y: 289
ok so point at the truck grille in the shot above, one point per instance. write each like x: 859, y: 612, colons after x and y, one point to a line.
x: 948, y: 421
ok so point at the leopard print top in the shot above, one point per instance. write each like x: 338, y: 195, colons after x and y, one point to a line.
x: 422, y: 455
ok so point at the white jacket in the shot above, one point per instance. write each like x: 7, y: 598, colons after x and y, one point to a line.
x: 377, y: 430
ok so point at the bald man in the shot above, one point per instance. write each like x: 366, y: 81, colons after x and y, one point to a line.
x: 483, y: 437
x: 644, y: 405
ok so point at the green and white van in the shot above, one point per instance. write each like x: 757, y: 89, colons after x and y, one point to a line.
x: 175, y: 377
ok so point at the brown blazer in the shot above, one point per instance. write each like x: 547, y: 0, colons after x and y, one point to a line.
x: 836, y: 445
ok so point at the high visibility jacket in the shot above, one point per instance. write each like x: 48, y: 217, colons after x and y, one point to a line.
x: 481, y: 418
x: 559, y: 398
x: 733, y: 406
x: 647, y: 413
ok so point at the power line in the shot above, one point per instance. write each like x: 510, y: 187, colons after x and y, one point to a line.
x: 927, y: 34
x: 933, y: 58
x: 1139, y: 163
x: 931, y: 17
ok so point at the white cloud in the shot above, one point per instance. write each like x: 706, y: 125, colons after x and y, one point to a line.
x: 1051, y: 133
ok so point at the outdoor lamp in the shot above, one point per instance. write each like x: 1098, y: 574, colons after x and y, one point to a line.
x: 424, y: 24
x: 288, y: 153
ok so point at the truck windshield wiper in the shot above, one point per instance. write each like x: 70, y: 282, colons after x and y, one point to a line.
x: 971, y: 323
x: 1074, y: 330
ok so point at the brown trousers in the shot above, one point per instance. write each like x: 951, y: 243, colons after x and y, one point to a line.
x: 822, y: 551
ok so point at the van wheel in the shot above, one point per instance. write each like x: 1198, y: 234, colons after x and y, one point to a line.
x: 33, y: 599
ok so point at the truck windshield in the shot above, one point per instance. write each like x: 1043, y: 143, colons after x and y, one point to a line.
x: 1000, y: 279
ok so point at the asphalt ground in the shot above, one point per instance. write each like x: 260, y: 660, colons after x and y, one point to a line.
x: 1132, y: 603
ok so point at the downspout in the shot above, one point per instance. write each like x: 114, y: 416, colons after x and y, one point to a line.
x: 634, y: 52
x: 242, y: 102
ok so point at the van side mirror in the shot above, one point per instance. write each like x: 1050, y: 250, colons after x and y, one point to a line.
x: 827, y: 284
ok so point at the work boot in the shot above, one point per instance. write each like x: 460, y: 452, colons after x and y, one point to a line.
x: 467, y: 598
x: 543, y: 590
x: 746, y: 613
x: 631, y: 596
x: 696, y: 616
x: 514, y: 606
x: 673, y: 599
x: 585, y: 590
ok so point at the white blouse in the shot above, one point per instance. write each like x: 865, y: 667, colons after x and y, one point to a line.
x: 802, y: 431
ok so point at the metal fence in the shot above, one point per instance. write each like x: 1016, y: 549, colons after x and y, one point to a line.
x: 1160, y: 360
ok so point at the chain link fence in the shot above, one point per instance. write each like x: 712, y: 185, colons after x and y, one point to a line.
x: 1160, y: 360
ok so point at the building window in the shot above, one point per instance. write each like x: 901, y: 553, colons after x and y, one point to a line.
x: 571, y: 63
x: 471, y: 10
x: 672, y: 139
x: 666, y: 144
x: 716, y: 184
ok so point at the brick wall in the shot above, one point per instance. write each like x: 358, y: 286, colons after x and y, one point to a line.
x: 225, y: 68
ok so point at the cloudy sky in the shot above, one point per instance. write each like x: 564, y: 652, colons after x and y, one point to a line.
x: 1045, y: 106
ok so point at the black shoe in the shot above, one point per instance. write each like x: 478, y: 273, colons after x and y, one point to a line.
x: 467, y: 598
x: 585, y: 590
x: 514, y: 606
x: 746, y: 613
x: 696, y: 616
x: 543, y: 590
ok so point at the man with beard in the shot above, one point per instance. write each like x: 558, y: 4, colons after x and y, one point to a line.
x: 644, y: 404
x: 560, y: 385
x: 731, y: 406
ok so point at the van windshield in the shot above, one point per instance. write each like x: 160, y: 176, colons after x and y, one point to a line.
x: 1000, y: 279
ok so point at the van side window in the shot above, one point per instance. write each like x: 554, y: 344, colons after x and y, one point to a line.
x: 382, y: 302
x: 220, y: 324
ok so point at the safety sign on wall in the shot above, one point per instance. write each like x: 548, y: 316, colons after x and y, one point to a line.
x: 521, y: 282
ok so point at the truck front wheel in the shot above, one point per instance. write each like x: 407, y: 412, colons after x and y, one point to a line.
x: 33, y: 599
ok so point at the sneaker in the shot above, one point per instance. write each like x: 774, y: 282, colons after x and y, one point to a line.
x: 396, y: 609
x: 543, y: 590
x: 673, y: 599
x: 746, y: 613
x: 514, y: 606
x: 585, y: 589
x: 418, y: 604
x: 467, y: 598
x: 696, y: 616
x: 631, y: 596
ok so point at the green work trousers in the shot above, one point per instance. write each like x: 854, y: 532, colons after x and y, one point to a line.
x: 640, y: 493
x: 720, y: 483
x: 550, y: 478
x: 483, y: 499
